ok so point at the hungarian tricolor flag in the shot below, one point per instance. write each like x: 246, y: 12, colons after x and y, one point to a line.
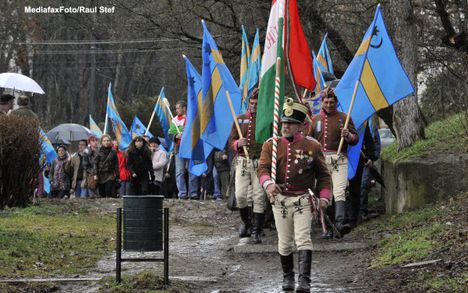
x: 299, y: 58
x: 273, y: 48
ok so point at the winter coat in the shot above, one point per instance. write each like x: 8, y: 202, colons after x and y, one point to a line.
x: 159, y: 160
x: 60, y: 174
x: 88, y: 161
x: 221, y: 164
x: 106, y: 164
x: 139, y: 162
x: 76, y: 169
x: 124, y: 173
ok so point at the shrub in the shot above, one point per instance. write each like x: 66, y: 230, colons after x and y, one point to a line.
x: 19, y: 160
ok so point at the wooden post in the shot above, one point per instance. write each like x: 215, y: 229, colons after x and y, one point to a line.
x: 152, y: 116
x: 348, y: 116
x: 234, y: 116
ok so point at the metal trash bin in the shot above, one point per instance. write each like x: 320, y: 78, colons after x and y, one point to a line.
x: 143, y: 222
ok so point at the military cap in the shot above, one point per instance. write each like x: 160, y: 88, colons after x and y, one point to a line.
x: 293, y: 112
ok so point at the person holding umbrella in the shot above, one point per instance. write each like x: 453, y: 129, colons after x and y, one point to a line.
x: 6, y: 104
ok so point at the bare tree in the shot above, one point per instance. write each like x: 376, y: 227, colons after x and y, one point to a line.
x: 408, y: 121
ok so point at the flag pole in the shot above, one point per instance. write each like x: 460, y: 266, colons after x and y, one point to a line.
x: 152, y: 117
x: 107, y: 116
x: 234, y: 117
x: 348, y: 115
x: 170, y: 114
x: 276, y: 110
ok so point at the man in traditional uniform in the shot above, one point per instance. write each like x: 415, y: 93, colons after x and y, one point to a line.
x: 246, y: 172
x: 6, y: 104
x: 300, y: 166
x: 328, y: 129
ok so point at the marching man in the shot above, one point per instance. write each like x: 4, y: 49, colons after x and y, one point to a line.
x: 246, y: 172
x: 328, y: 129
x: 300, y: 166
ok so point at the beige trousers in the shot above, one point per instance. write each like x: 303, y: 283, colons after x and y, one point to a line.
x: 338, y: 168
x: 246, y: 174
x: 293, y: 223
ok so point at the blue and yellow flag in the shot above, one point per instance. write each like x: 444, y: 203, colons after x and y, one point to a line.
x: 192, y: 146
x: 323, y: 57
x: 47, y: 156
x: 315, y: 105
x: 244, y: 67
x: 138, y: 128
x: 320, y: 85
x: 382, y: 79
x: 216, y: 118
x: 254, y: 69
x: 48, y: 153
x: 161, y: 109
x: 94, y: 127
x: 122, y: 135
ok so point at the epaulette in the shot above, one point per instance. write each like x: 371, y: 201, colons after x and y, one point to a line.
x: 312, y: 139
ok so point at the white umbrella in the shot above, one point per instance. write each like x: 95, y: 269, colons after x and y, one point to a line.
x: 19, y: 82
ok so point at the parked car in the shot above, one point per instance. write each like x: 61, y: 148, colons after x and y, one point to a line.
x: 386, y: 137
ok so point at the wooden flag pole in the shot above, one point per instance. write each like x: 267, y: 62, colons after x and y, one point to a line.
x: 348, y: 116
x: 107, y: 116
x: 234, y: 117
x: 276, y: 114
x: 152, y: 117
x: 172, y: 116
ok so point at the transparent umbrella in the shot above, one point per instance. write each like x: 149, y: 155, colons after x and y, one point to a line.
x: 69, y: 132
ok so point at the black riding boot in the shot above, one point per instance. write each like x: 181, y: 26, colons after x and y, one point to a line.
x: 259, y: 218
x: 305, y: 260
x: 245, y: 229
x: 340, y: 218
x: 287, y: 262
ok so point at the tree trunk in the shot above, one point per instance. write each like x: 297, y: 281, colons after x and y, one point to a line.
x: 407, y: 118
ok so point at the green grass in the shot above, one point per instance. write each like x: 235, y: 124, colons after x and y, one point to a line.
x: 405, y: 247
x: 434, y: 282
x: 53, y: 239
x: 141, y: 282
x: 446, y: 136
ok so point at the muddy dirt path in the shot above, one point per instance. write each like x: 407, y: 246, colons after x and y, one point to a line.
x: 203, y: 235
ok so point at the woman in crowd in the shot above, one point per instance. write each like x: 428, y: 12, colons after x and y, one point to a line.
x: 159, y: 161
x: 59, y: 174
x: 124, y: 173
x: 89, y: 156
x: 106, y: 165
x: 140, y: 165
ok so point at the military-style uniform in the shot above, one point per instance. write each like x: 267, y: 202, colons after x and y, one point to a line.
x: 300, y: 166
x: 246, y: 174
x: 326, y: 128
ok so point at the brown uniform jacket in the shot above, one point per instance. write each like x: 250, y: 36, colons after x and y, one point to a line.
x: 299, y: 164
x: 326, y: 128
x: 247, y: 126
